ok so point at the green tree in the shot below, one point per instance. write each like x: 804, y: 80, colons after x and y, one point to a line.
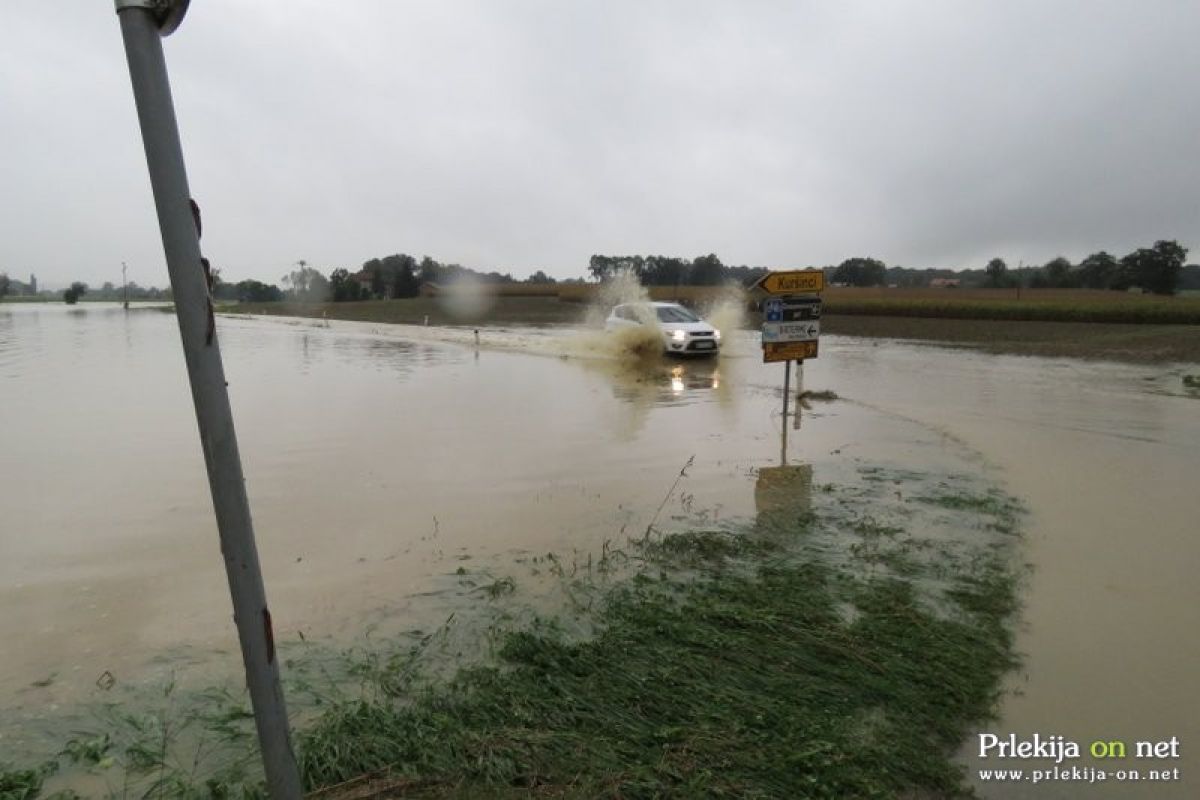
x: 374, y: 268
x: 997, y: 273
x: 540, y: 277
x: 400, y: 272
x: 1189, y: 278
x: 76, y: 291
x: 4, y: 284
x: 860, y: 272
x: 601, y: 267
x: 707, y: 271
x: 665, y: 271
x: 343, y: 286
x: 1098, y: 271
x: 252, y: 291
x: 1155, y: 269
x: 1057, y: 273
x: 429, y: 271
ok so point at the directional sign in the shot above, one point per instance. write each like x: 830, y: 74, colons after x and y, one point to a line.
x: 790, y: 331
x: 793, y: 282
x: 788, y: 351
x: 791, y: 309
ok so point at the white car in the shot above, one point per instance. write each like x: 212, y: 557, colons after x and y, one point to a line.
x: 683, y: 332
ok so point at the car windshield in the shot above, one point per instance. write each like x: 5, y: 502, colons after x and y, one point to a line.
x: 675, y: 314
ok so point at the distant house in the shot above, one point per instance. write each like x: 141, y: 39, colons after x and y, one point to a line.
x: 17, y: 289
x: 430, y: 289
x: 944, y: 283
x: 364, y: 278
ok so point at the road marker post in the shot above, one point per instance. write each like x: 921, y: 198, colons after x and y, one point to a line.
x: 143, y: 24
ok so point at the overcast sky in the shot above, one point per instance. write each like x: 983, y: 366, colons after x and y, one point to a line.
x: 528, y: 135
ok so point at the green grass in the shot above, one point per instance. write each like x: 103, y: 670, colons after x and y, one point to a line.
x: 1147, y: 311
x: 737, y: 685
x: 732, y: 664
x: 23, y: 784
x: 1109, y: 341
x: 842, y: 651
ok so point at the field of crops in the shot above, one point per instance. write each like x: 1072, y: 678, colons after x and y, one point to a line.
x: 1056, y: 305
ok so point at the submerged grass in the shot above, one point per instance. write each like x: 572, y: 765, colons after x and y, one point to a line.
x: 739, y: 687
x: 729, y: 667
x: 824, y: 654
x: 23, y: 784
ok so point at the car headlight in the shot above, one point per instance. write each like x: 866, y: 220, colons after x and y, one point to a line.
x: 716, y: 334
x: 678, y: 336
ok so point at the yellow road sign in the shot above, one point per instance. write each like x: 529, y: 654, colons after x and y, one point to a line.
x: 792, y: 282
x: 788, y: 351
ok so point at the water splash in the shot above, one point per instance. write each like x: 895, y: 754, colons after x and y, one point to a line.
x: 622, y: 287
x: 640, y: 345
x: 727, y: 312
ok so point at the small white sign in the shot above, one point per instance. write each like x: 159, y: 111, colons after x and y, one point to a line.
x: 806, y: 331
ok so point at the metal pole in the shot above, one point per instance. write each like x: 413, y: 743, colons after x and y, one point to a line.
x: 787, y: 379
x: 125, y: 285
x: 799, y: 393
x: 168, y: 179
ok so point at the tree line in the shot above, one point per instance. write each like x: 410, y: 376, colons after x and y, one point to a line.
x: 1158, y: 269
x: 399, y: 275
x: 704, y: 270
x: 73, y: 293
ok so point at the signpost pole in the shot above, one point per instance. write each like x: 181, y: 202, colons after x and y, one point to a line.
x: 799, y: 393
x: 787, y: 376
x: 142, y: 26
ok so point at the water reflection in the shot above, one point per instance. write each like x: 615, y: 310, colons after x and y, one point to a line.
x: 648, y: 385
x: 783, y: 493
x: 658, y: 382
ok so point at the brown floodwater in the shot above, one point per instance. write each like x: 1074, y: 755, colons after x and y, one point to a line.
x: 1105, y: 458
x: 381, y: 458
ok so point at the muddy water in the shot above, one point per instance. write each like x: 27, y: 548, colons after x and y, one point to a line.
x: 381, y: 459
x: 1105, y: 457
x: 378, y: 461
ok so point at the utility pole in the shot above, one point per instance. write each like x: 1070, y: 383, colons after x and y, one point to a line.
x: 125, y: 285
x: 143, y: 23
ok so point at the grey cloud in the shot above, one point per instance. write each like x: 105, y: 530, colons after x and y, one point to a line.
x: 529, y: 135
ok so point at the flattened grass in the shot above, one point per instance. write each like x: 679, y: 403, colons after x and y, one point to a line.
x: 787, y: 679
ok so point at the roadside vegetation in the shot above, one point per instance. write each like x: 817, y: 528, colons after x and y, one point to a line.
x: 1051, y: 306
x: 838, y: 648
x: 1137, y: 344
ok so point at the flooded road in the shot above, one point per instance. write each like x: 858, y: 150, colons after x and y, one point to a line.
x: 1104, y: 456
x: 380, y: 459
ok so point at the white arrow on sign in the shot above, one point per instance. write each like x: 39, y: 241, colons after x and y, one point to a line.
x: 807, y: 331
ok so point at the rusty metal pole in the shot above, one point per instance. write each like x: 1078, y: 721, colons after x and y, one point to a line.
x: 143, y: 23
